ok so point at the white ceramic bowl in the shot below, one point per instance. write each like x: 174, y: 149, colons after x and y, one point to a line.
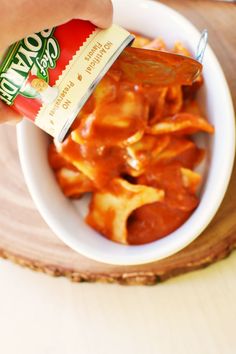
x: 66, y: 217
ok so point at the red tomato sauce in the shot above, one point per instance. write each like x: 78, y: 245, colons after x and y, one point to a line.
x: 114, y: 137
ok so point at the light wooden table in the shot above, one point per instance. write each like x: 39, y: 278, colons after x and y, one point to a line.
x: 194, y: 313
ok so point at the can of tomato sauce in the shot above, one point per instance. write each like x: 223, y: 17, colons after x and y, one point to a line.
x: 48, y: 76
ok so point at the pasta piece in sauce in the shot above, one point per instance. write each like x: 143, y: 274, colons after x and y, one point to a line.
x: 109, y: 210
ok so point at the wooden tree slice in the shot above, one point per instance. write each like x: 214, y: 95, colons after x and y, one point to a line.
x: 27, y: 240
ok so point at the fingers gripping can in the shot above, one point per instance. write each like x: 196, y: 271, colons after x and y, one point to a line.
x: 48, y: 76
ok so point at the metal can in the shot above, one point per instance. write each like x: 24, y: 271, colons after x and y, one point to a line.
x: 48, y: 76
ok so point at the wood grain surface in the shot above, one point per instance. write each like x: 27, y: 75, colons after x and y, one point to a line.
x: 27, y: 240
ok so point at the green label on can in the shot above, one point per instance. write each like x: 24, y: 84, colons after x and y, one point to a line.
x: 36, y: 54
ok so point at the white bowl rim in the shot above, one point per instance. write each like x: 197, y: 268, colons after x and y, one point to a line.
x: 158, y: 249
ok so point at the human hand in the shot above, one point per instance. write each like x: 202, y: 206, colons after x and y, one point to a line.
x: 22, y: 18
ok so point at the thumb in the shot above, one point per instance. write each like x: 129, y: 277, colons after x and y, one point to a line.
x: 99, y: 12
x: 7, y: 114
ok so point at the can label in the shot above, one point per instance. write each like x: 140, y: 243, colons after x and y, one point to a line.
x: 37, y: 53
x: 49, y: 75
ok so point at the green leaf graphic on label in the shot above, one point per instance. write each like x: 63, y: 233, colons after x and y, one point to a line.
x: 38, y: 52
